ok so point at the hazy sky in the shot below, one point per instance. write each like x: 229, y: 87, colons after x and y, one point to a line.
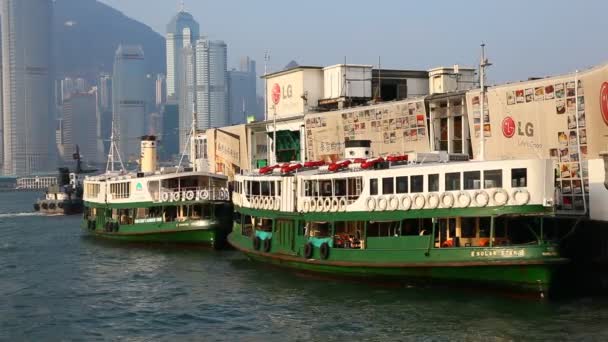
x: 524, y: 38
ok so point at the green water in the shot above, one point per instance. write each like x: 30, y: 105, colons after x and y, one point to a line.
x: 58, y: 285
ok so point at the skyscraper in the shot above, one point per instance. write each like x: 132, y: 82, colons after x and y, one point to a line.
x: 104, y: 88
x: 182, y: 30
x: 129, y: 99
x: 242, y: 92
x: 80, y: 126
x: 161, y: 90
x: 187, y: 95
x: 28, y: 104
x: 212, y: 83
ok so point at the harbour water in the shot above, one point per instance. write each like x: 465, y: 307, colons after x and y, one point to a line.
x: 56, y: 284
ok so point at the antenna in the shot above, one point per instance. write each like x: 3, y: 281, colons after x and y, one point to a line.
x: 113, y: 148
x: 190, y: 140
x: 181, y: 6
x: 482, y: 79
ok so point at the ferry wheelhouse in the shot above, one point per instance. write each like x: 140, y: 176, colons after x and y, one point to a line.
x: 425, y: 216
x: 169, y: 205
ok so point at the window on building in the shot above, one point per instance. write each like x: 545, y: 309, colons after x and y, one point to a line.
x: 402, y: 185
x: 519, y: 178
x: 433, y: 182
x: 265, y: 188
x: 472, y: 180
x: 417, y: 184
x: 255, y: 188
x: 452, y: 181
x: 373, y: 186
x: 492, y: 179
x: 388, y: 187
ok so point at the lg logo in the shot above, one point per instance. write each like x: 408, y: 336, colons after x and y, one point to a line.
x: 279, y: 93
x: 510, y: 128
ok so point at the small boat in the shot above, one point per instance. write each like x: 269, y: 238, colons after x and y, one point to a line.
x: 65, y: 197
x: 431, y: 217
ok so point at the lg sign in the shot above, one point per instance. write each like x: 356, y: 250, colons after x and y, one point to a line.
x: 279, y: 93
x: 604, y: 102
x: 510, y: 127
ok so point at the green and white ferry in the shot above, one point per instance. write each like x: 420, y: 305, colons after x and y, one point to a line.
x: 432, y: 217
x: 165, y: 205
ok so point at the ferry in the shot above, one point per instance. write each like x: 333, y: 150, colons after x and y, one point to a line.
x: 164, y: 205
x: 430, y: 217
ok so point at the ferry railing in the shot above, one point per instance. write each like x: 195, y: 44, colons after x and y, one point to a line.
x: 181, y: 194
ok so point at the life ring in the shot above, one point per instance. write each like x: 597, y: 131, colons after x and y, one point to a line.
x: 266, y: 203
x: 382, y: 203
x: 164, y: 197
x: 257, y: 243
x: 51, y: 205
x: 270, y: 203
x: 44, y: 205
x: 447, y: 200
x: 36, y: 207
x: 500, y: 201
x: 327, y: 204
x: 433, y: 200
x: 485, y: 198
x: 370, y: 203
x: 467, y: 199
x: 60, y: 205
x: 320, y: 203
x: 342, y: 205
x: 418, y: 201
x: 335, y: 203
x: 524, y: 193
x: 406, y: 202
x: 324, y: 251
x: 266, y: 245
x: 308, y: 249
x: 393, y: 203
x: 175, y: 196
x: 205, y: 194
x: 189, y: 195
x: 312, y: 204
x: 277, y: 203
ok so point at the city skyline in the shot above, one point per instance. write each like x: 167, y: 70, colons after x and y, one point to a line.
x: 429, y: 35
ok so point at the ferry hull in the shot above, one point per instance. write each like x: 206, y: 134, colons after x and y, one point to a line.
x: 522, y: 275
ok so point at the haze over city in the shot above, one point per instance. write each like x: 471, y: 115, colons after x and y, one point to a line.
x: 524, y: 38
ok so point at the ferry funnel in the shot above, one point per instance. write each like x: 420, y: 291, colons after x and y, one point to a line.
x: 354, y: 149
x: 148, y: 154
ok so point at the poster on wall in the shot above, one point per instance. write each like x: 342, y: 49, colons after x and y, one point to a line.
x: 393, y: 128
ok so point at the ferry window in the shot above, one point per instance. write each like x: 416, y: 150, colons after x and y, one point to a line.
x: 307, y: 188
x: 452, y: 181
x: 519, y: 178
x: 472, y: 180
x: 388, y: 186
x: 265, y: 189
x: 492, y: 179
x: 340, y: 187
x: 433, y: 182
x: 410, y: 227
x: 272, y: 185
x: 402, y: 185
x: 354, y: 188
x: 255, y: 188
x: 467, y: 226
x: 325, y: 187
x: 373, y: 186
x: 315, y: 188
x: 484, y: 226
x: 279, y: 183
x: 417, y: 184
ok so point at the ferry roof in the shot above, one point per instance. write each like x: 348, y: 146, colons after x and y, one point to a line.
x: 133, y: 175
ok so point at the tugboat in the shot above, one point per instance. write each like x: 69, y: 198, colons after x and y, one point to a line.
x: 186, y: 205
x: 430, y: 217
x: 65, y: 197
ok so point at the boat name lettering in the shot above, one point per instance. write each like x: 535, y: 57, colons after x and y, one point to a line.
x: 149, y: 220
x: 502, y: 253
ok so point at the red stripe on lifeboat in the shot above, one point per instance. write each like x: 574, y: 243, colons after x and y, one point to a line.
x: 290, y: 168
x: 267, y: 169
x: 314, y: 163
x: 394, y: 159
x: 338, y: 165
x: 371, y: 162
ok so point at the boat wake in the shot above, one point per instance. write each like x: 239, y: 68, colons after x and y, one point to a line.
x: 24, y: 214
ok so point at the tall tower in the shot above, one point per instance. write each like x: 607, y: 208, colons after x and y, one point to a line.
x: 212, y: 84
x: 28, y: 106
x: 129, y: 99
x: 182, y: 30
x: 187, y: 96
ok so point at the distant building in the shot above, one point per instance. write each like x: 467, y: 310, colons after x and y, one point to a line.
x: 169, y: 142
x: 242, y: 92
x: 28, y: 103
x: 104, y: 87
x: 161, y: 90
x: 182, y: 30
x: 129, y: 99
x: 187, y: 96
x: 80, y: 126
x: 212, y: 84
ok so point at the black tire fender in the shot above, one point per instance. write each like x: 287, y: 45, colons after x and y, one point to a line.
x: 324, y: 251
x: 267, y: 245
x: 308, y: 249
